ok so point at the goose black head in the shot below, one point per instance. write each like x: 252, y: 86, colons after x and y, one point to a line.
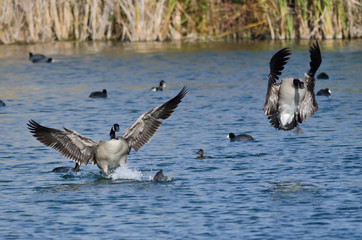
x: 105, y: 92
x: 298, y: 84
x: 114, y: 129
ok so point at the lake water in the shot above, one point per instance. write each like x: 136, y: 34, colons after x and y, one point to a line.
x: 280, y: 186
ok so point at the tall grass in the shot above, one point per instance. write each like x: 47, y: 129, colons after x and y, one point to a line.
x: 160, y: 20
x: 313, y: 19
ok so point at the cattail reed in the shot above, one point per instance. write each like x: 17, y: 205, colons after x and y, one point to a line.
x: 160, y: 20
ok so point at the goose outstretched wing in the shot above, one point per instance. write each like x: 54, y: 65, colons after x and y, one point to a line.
x: 309, y: 105
x: 67, y: 142
x: 147, y: 124
x: 276, y: 65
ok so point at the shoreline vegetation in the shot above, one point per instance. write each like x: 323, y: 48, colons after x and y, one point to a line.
x: 30, y: 21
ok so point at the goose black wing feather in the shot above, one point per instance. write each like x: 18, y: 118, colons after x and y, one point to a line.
x: 315, y: 59
x: 147, y: 124
x: 309, y: 105
x: 67, y: 142
x: 276, y: 65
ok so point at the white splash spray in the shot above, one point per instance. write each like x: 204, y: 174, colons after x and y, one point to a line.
x: 125, y: 173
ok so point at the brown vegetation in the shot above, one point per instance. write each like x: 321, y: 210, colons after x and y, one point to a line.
x: 160, y: 20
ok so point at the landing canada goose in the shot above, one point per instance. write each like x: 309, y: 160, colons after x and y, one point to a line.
x: 323, y: 75
x: 102, y: 94
x: 160, y: 87
x: 240, y: 137
x: 112, y: 134
x: 324, y: 92
x: 108, y: 155
x: 293, y: 99
x: 201, y: 155
x: 39, y: 58
x: 159, y: 177
x: 2, y: 104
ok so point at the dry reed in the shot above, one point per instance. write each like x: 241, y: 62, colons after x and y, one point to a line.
x: 160, y: 20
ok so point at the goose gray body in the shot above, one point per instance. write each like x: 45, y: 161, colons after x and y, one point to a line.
x: 111, y: 154
x: 292, y: 100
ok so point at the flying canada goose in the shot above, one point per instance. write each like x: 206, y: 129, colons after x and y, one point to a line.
x: 324, y: 92
x: 112, y: 134
x: 108, y: 155
x: 39, y: 58
x: 240, y: 137
x: 293, y: 99
x: 201, y: 155
x: 102, y: 94
x: 160, y: 87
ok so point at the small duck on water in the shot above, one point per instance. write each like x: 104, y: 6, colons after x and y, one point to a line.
x: 39, y: 58
x: 240, y: 137
x: 159, y: 177
x: 98, y: 94
x: 160, y: 87
x: 201, y: 155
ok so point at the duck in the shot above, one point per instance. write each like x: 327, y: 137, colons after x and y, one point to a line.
x: 2, y: 103
x: 39, y: 58
x: 240, y: 137
x: 160, y: 87
x: 112, y: 134
x: 107, y: 155
x: 324, y: 92
x: 323, y: 75
x: 201, y: 155
x: 98, y: 94
x: 292, y: 100
x: 159, y: 177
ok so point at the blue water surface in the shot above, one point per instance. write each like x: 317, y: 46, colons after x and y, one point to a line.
x: 280, y: 186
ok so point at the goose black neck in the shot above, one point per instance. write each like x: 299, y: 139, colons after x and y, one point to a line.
x: 112, y: 134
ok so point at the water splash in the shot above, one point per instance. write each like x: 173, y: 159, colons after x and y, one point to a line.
x: 125, y: 173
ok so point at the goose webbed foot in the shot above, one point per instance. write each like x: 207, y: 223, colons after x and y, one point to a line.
x: 76, y: 167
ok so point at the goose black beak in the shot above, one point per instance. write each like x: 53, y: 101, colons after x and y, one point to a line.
x: 116, y: 127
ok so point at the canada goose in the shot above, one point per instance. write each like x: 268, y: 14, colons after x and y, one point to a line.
x: 112, y: 134
x: 102, y: 94
x: 323, y: 75
x: 160, y: 87
x: 108, y: 155
x: 2, y: 104
x: 292, y: 100
x: 159, y: 177
x: 39, y: 58
x: 200, y: 153
x: 324, y: 92
x: 240, y: 137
